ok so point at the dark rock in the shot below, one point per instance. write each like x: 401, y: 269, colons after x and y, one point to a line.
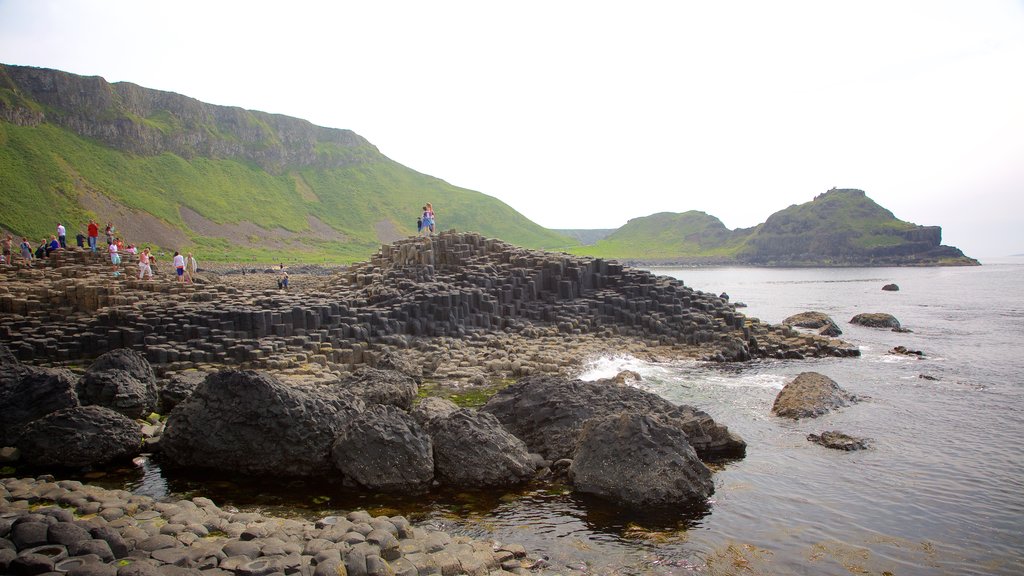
x: 178, y: 388
x: 838, y: 440
x: 810, y: 395
x: 903, y: 350
x: 891, y: 288
x: 375, y: 386
x: 66, y: 533
x: 384, y: 449
x: 118, y: 545
x: 928, y: 377
x: 816, y: 321
x: 30, y: 565
x: 548, y: 414
x: 250, y: 422
x: 121, y: 380
x: 28, y: 393
x: 637, y: 460
x: 471, y: 449
x: 93, y: 569
x: 395, y: 361
x: 79, y: 437
x: 98, y: 547
x: 876, y: 320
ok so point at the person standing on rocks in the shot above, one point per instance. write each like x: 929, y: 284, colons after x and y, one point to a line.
x: 145, y: 267
x: 115, y: 258
x: 62, y: 235
x: 428, y: 223
x: 430, y: 211
x: 179, y: 266
x: 8, y: 242
x: 110, y: 233
x: 191, y: 267
x: 94, y: 234
x: 26, y: 251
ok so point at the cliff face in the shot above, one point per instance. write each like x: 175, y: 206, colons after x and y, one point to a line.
x: 149, y: 122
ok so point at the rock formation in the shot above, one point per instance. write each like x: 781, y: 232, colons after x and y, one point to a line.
x: 810, y: 395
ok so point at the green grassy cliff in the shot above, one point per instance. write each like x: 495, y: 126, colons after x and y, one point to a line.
x: 226, y: 183
x: 841, y: 227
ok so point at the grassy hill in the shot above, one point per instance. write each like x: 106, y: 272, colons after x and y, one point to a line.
x: 226, y: 183
x: 841, y: 227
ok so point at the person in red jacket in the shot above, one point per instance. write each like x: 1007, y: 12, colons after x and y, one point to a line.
x: 94, y: 233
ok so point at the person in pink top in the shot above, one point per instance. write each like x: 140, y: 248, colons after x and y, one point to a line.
x: 144, y: 264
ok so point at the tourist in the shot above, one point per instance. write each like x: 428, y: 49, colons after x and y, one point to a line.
x: 115, y: 258
x: 94, y: 234
x: 41, y: 250
x: 425, y: 230
x: 62, y: 235
x: 52, y: 246
x: 419, y: 224
x: 145, y: 264
x: 179, y: 266
x: 26, y: 251
x: 109, y: 231
x: 8, y: 242
x: 282, y: 282
x: 80, y: 240
x: 191, y: 267
x: 430, y: 210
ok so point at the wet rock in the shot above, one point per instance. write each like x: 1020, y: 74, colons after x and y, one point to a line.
x: 251, y: 422
x: 28, y: 393
x: 384, y: 449
x: 904, y: 351
x: 838, y: 440
x: 637, y: 460
x: 876, y: 320
x: 121, y: 380
x: 548, y: 414
x: 810, y: 395
x: 472, y: 449
x: 816, y: 321
x: 891, y: 288
x: 79, y: 437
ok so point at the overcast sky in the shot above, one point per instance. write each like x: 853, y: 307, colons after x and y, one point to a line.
x: 584, y: 114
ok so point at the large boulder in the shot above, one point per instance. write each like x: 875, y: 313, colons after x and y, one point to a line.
x: 638, y: 460
x: 121, y: 380
x: 810, y: 395
x: 381, y: 387
x: 471, y: 449
x: 79, y: 437
x: 384, y: 449
x: 28, y: 393
x: 815, y: 321
x: 433, y: 408
x: 394, y: 360
x: 250, y: 422
x: 178, y: 387
x: 548, y: 414
x: 876, y: 320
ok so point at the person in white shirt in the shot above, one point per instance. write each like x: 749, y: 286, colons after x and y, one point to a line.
x: 62, y: 235
x: 179, y: 267
x: 144, y: 268
x: 115, y: 258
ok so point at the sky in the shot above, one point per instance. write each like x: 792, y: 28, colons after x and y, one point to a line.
x: 585, y: 114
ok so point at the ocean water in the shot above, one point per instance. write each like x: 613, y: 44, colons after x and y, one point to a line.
x: 939, y: 491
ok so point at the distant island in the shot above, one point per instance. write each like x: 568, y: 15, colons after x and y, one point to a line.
x: 841, y: 227
x: 247, y: 186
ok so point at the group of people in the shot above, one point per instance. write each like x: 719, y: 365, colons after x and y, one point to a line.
x: 185, y: 266
x: 425, y: 223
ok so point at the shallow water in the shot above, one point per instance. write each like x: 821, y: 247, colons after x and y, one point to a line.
x: 940, y: 491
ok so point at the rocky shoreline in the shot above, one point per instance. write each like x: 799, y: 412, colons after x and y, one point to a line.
x: 66, y: 527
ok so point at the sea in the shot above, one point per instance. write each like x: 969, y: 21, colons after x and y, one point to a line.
x: 940, y: 489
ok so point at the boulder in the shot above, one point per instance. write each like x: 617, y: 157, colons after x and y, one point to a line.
x: 177, y: 388
x: 891, y: 288
x: 472, y: 450
x: 639, y: 460
x: 375, y: 386
x: 815, y: 321
x: 384, y: 449
x: 810, y: 395
x: 121, y: 380
x: 394, y: 360
x: 79, y: 437
x: 876, y: 320
x: 432, y: 408
x: 250, y: 422
x: 838, y: 440
x: 548, y: 414
x: 28, y: 393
